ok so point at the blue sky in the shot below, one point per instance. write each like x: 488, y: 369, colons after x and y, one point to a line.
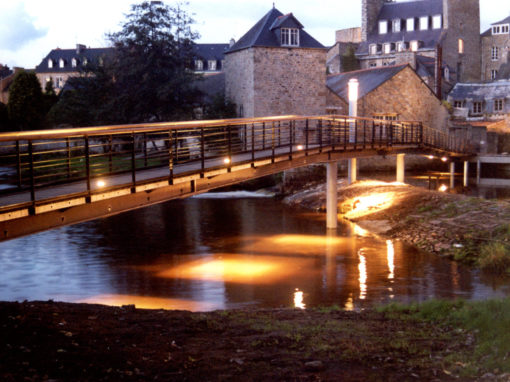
x: 29, y: 29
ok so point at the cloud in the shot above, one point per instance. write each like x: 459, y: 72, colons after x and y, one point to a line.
x: 17, y: 27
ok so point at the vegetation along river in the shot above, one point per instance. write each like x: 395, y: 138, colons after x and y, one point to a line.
x: 223, y: 251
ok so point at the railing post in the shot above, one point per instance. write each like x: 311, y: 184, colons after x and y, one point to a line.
x: 229, y: 145
x: 170, y: 157
x: 273, y: 138
x: 347, y: 132
x: 87, y: 162
x: 373, y: 134
x: 245, y: 138
x: 18, y: 166
x: 68, y: 149
x: 320, y: 135
x: 202, y: 149
x: 364, y: 134
x: 355, y: 133
x: 279, y: 133
x: 307, y: 129
x: 145, y: 149
x: 390, y: 138
x: 133, y: 161
x: 291, y: 135
x: 32, y: 175
x: 263, y: 135
x: 110, y: 154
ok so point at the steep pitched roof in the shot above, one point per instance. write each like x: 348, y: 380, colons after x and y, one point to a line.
x: 263, y: 33
x: 505, y: 21
x: 210, y: 51
x: 481, y: 91
x: 404, y: 10
x: 369, y: 80
x: 91, y: 54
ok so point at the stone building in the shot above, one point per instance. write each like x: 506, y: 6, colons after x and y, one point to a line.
x: 395, y: 32
x: 6, y: 77
x: 345, y: 41
x: 495, y: 46
x: 388, y: 93
x: 209, y: 58
x: 276, y: 68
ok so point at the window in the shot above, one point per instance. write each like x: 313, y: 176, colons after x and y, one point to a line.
x: 401, y: 46
x: 74, y: 63
x: 410, y: 24
x: 61, y: 63
x: 101, y: 61
x: 461, y: 46
x: 437, y: 22
x: 500, y: 29
x: 498, y: 105
x: 459, y: 104
x: 50, y: 63
x: 290, y: 36
x: 496, y: 30
x: 373, y: 64
x: 494, y: 74
x: 383, y: 27
x: 373, y: 49
x: 495, y: 53
x: 414, y: 46
x: 199, y: 65
x: 85, y: 62
x: 211, y: 64
x: 477, y: 108
x: 424, y: 23
x: 59, y: 82
x: 386, y: 116
x: 397, y: 25
x: 387, y: 48
x: 447, y: 73
x: 505, y: 28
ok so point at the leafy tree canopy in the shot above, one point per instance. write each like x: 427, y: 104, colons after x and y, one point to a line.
x: 4, y: 118
x: 26, y: 104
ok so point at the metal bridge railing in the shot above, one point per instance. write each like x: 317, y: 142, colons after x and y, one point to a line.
x: 30, y: 161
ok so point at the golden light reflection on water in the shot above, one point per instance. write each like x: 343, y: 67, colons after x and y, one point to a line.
x: 146, y: 302
x: 362, y: 267
x: 391, y: 259
x: 366, y: 205
x: 299, y: 300
x: 307, y: 240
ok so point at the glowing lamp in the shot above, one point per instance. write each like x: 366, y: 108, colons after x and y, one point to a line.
x: 431, y: 157
x: 444, y: 159
x: 300, y: 147
x: 443, y: 188
x: 226, y: 161
x: 101, y: 183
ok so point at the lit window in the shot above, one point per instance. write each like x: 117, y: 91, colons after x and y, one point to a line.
x: 373, y: 49
x: 61, y: 63
x: 495, y: 53
x: 437, y: 22
x: 211, y: 64
x: 383, y: 27
x: 477, y: 108
x: 74, y: 63
x: 410, y: 24
x: 85, y: 62
x: 199, y: 65
x: 461, y: 46
x: 396, y: 25
x: 386, y: 116
x: 498, y: 105
x: 59, y: 82
x: 387, y: 48
x: 50, y: 63
x: 290, y: 36
x: 424, y: 23
x: 414, y: 46
x: 494, y: 74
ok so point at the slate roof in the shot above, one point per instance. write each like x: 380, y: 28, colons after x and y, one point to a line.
x: 91, y: 54
x: 505, y: 21
x: 210, y: 51
x: 480, y: 92
x: 369, y: 80
x: 403, y: 11
x: 262, y: 35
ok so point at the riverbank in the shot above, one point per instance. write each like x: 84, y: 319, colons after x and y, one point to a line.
x: 468, y: 229
x: 49, y: 341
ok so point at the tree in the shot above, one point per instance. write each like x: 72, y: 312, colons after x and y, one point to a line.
x: 153, y: 54
x: 26, y: 105
x: 349, y: 60
x: 4, y: 118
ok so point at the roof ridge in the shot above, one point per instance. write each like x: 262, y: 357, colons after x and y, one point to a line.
x: 369, y: 69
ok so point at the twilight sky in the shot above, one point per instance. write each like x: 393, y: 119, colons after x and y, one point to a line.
x: 29, y: 29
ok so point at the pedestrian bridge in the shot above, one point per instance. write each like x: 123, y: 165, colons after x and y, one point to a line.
x: 54, y: 178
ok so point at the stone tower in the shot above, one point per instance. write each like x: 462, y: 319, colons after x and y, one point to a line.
x: 369, y: 11
x: 461, y: 44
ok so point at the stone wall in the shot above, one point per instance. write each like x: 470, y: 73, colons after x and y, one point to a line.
x: 502, y: 41
x: 369, y: 11
x: 277, y: 81
x: 406, y: 95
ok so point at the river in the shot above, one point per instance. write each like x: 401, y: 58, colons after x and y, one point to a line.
x: 223, y: 251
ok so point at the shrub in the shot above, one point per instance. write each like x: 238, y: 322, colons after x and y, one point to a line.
x: 495, y: 257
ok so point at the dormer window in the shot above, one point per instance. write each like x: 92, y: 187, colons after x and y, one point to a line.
x: 383, y: 27
x: 387, y: 48
x: 211, y: 64
x: 74, y: 62
x: 410, y: 25
x: 500, y: 29
x: 372, y: 49
x: 437, y: 22
x: 50, y: 63
x: 199, y: 65
x: 401, y: 46
x: 61, y: 63
x: 414, y: 45
x: 290, y: 36
x: 397, y: 25
x: 424, y: 23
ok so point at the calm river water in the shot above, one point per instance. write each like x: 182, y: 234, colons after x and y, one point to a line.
x: 228, y: 251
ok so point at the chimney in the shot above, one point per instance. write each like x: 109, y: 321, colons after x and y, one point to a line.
x: 80, y: 48
x: 232, y: 42
x: 369, y: 12
x: 438, y: 80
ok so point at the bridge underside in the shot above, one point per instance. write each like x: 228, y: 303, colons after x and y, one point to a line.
x: 77, y: 208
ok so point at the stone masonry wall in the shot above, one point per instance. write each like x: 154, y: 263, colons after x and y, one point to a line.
x: 289, y: 81
x: 502, y: 41
x: 406, y: 95
x: 239, y: 81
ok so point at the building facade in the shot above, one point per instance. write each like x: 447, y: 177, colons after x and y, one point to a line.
x: 276, y: 68
x: 393, y: 29
x: 346, y: 41
x: 495, y: 46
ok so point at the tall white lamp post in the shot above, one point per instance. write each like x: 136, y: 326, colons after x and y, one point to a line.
x: 353, y: 112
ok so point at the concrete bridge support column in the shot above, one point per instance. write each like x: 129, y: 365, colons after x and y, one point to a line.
x: 332, y: 196
x: 353, y: 170
x: 452, y: 174
x: 478, y: 171
x: 401, y: 168
x: 466, y: 174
